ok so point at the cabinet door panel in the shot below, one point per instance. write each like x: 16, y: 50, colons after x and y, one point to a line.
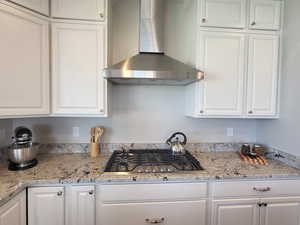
x: 83, y: 206
x: 41, y: 6
x: 282, y: 211
x: 222, y: 59
x: 263, y: 75
x: 241, y: 212
x: 168, y: 213
x: 223, y: 13
x: 79, y: 9
x: 24, y: 80
x: 46, y: 206
x: 14, y: 211
x: 78, y: 59
x: 265, y: 14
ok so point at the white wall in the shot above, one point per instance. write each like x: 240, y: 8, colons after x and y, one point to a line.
x: 284, y: 133
x: 143, y: 114
x: 5, y: 132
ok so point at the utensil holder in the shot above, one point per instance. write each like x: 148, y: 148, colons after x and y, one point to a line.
x: 94, y: 149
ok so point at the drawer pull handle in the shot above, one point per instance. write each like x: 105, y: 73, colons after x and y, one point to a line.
x: 60, y: 193
x: 262, y: 189
x: 155, y: 220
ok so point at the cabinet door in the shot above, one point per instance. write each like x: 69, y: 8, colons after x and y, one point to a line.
x: 79, y: 55
x: 24, y: 57
x: 222, y: 59
x: 262, y: 75
x: 223, y: 13
x: 281, y: 211
x: 265, y: 14
x: 41, y: 6
x: 82, y: 206
x: 14, y: 212
x: 79, y: 9
x: 230, y: 212
x: 46, y: 206
x: 169, y: 213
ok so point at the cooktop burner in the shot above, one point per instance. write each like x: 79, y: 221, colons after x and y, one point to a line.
x: 151, y: 161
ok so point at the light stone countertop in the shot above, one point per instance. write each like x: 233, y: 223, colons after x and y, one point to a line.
x: 80, y: 168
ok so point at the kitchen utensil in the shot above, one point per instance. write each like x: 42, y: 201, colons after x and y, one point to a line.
x: 259, y: 150
x: 245, y: 149
x: 96, y: 133
x: 176, y: 145
x: 22, y: 152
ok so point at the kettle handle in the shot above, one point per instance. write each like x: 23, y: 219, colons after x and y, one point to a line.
x: 169, y: 141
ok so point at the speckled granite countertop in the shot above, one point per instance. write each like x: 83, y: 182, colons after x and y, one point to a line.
x: 80, y: 168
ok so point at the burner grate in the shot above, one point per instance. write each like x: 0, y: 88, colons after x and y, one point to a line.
x: 158, y: 160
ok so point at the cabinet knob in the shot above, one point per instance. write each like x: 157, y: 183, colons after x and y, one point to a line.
x: 101, y: 110
x: 101, y: 15
x: 91, y: 192
x: 253, y: 23
x: 201, y: 111
x: 203, y: 20
x: 250, y: 112
x: 60, y: 193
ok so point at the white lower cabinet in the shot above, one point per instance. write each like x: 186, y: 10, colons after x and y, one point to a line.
x: 257, y: 211
x: 235, y: 212
x: 81, y: 206
x: 279, y: 211
x: 78, y: 58
x: 168, y: 204
x: 46, y: 206
x: 167, y: 213
x: 14, y: 211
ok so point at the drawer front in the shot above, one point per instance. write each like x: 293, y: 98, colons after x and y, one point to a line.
x: 168, y: 213
x: 256, y: 188
x: 148, y: 192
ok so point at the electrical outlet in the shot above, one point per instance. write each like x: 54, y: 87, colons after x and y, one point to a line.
x: 230, y: 132
x: 75, y: 131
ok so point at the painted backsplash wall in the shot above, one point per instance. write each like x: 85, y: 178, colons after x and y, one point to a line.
x: 284, y: 133
x: 5, y: 132
x: 142, y: 114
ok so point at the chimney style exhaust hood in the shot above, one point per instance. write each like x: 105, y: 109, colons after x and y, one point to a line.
x: 151, y: 66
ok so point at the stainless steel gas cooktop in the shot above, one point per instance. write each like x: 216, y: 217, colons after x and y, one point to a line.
x: 151, y: 161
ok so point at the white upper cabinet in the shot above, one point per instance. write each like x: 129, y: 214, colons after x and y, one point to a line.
x: 262, y: 75
x: 265, y: 14
x: 46, y: 205
x: 78, y: 58
x: 82, y: 205
x: 14, y: 211
x: 41, y: 6
x: 223, y: 13
x: 222, y: 58
x: 79, y: 9
x: 24, y: 57
x: 239, y: 212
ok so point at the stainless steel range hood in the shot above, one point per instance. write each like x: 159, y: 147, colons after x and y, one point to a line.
x: 151, y: 66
